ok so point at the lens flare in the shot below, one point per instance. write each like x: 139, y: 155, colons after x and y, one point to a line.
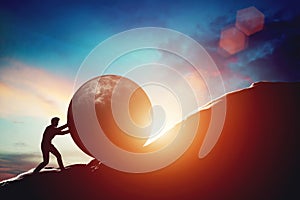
x: 128, y: 114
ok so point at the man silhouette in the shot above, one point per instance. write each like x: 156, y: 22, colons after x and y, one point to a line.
x: 50, y: 132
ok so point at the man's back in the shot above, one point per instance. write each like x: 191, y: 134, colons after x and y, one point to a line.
x: 49, y: 134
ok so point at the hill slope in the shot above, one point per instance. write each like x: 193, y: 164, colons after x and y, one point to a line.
x: 256, y: 157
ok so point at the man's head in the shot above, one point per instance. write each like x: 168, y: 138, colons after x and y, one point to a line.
x: 54, y: 121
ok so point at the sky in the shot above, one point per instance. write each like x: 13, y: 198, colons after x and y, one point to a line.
x: 43, y: 43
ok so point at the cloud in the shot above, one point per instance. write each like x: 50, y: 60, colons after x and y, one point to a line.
x: 20, y: 144
x: 14, y: 164
x: 30, y: 91
x: 273, y: 54
x: 232, y: 79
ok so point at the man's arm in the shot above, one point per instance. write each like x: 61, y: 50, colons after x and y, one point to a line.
x: 60, y: 130
x: 62, y: 127
x: 64, y: 132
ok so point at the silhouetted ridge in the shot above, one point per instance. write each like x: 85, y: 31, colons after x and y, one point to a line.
x: 256, y: 157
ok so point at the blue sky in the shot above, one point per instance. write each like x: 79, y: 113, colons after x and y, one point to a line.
x: 58, y: 35
x: 46, y: 41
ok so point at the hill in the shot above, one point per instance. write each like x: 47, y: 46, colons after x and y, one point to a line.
x: 256, y: 157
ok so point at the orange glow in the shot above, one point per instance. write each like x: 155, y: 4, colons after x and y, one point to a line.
x: 139, y: 111
x: 250, y: 159
x: 140, y: 108
x: 106, y: 119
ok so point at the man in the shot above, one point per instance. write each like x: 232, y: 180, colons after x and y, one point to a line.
x: 50, y: 132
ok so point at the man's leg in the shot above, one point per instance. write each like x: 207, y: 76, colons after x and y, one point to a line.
x: 58, y: 157
x: 45, y: 160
